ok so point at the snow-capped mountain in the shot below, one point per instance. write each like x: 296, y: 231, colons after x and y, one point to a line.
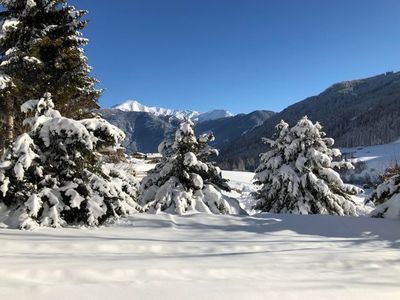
x: 133, y: 105
x: 145, y: 130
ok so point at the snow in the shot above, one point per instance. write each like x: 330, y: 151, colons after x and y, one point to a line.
x: 30, y: 3
x: 4, y: 80
x: 202, y: 256
x: 205, y: 257
x: 23, y: 145
x: 72, y: 129
x: 101, y: 125
x: 389, y: 209
x: 9, y: 24
x: 190, y: 159
x: 142, y: 167
x: 29, y: 105
x: 197, y: 181
x: 32, y: 60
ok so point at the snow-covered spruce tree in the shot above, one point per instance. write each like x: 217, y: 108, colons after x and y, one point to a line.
x: 296, y: 175
x: 52, y: 175
x: 386, y: 197
x: 41, y: 51
x: 184, y: 181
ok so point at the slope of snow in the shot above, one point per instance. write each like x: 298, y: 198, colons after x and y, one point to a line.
x: 133, y: 105
x: 201, y: 256
x: 377, y: 158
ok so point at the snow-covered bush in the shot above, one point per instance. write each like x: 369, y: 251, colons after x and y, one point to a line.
x: 184, y: 180
x: 52, y: 175
x: 386, y: 197
x: 297, y: 174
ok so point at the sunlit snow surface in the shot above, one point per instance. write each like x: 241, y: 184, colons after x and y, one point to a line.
x: 378, y: 158
x: 206, y: 257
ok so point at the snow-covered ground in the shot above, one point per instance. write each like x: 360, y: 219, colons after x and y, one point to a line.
x: 240, y: 182
x: 206, y: 257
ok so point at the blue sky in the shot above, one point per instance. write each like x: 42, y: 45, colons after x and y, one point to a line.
x: 241, y: 55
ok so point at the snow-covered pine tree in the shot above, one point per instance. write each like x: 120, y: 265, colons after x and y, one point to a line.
x: 184, y: 181
x: 41, y: 51
x: 52, y: 175
x: 297, y: 174
x: 386, y: 197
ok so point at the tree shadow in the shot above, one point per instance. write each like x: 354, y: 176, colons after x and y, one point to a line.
x: 358, y: 230
x: 347, y: 230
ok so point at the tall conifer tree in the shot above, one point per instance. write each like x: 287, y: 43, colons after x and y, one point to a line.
x: 185, y: 180
x: 297, y: 174
x: 41, y: 51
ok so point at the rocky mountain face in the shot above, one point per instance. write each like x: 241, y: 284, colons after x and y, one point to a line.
x: 355, y: 113
x: 144, y: 131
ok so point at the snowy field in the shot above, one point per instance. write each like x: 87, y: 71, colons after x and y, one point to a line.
x: 206, y: 257
x: 377, y: 158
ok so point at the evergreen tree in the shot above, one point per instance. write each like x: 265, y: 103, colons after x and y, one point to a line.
x: 52, y: 175
x: 41, y: 51
x: 184, y: 180
x: 296, y: 175
x: 386, y: 197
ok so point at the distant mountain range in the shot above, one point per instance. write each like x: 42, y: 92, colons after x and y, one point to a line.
x: 355, y: 113
x: 135, y: 106
x: 145, y: 127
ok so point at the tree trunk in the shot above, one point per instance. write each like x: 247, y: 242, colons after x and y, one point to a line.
x: 9, y: 122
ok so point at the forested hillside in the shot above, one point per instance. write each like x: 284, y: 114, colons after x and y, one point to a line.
x: 355, y: 113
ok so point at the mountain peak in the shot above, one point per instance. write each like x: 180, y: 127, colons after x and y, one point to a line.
x: 214, y: 114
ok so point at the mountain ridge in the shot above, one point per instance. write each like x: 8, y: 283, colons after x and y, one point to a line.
x: 136, y: 106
